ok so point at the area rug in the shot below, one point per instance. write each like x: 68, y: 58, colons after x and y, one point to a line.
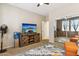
x: 45, y: 50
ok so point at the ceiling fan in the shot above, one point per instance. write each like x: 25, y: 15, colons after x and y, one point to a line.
x: 39, y: 4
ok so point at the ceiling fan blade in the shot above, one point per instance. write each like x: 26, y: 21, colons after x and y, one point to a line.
x: 43, y: 3
x: 38, y: 5
x: 46, y: 3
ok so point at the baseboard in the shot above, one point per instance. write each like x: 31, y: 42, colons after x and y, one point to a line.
x: 7, y: 47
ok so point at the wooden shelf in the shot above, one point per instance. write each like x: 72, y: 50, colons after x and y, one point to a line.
x: 27, y: 39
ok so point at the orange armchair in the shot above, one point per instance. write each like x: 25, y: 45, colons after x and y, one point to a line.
x: 70, y: 49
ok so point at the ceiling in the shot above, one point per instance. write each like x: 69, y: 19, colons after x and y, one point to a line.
x: 41, y: 10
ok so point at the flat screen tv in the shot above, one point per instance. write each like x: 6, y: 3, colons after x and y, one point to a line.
x: 28, y: 27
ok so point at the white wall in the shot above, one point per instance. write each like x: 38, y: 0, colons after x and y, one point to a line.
x: 14, y: 17
x: 60, y: 11
x: 45, y: 30
x: 0, y: 14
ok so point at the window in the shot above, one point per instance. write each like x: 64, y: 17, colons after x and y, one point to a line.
x: 65, y: 25
x: 74, y: 25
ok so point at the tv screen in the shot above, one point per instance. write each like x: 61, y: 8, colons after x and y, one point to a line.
x: 28, y: 27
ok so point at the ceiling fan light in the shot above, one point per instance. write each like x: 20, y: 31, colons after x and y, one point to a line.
x: 41, y: 3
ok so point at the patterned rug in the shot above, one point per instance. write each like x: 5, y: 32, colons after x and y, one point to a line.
x: 45, y: 50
